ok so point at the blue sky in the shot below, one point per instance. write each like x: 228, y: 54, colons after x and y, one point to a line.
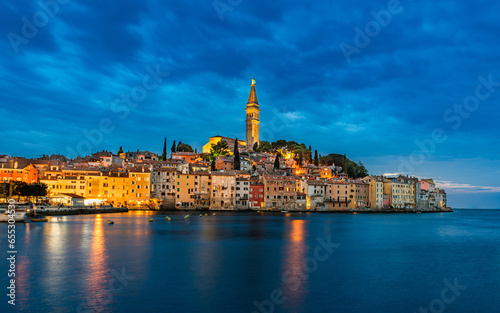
x: 410, y: 86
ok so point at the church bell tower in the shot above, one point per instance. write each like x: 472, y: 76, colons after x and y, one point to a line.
x: 253, y: 122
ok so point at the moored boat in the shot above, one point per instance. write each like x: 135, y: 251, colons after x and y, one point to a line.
x: 18, y: 216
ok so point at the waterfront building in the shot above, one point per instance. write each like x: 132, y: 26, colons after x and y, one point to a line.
x: 64, y: 185
x: 280, y: 192
x: 184, y: 190
x: 256, y: 196
x: 401, y: 192
x: 27, y: 174
x: 361, y: 195
x: 242, y: 195
x: 301, y: 201
x: 338, y: 194
x: 67, y: 199
x: 223, y: 190
x: 376, y: 192
x: 163, y: 185
x: 202, y: 188
x: 316, y: 193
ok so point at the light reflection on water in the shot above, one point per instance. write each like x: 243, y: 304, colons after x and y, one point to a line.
x: 96, y: 276
x: 295, y: 284
x: 226, y: 262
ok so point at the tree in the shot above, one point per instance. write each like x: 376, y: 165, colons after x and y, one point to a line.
x: 349, y: 167
x: 182, y: 147
x: 164, y: 155
x: 237, y: 161
x: 361, y: 170
x: 196, y: 151
x: 264, y: 146
x: 277, y: 162
x: 310, y: 154
x: 345, y: 164
x: 218, y: 149
x: 5, y: 189
x: 255, y: 147
x: 173, y: 147
x: 20, y: 189
x: 38, y: 190
x: 120, y: 151
x: 316, y: 159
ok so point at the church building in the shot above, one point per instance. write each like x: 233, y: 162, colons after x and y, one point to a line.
x: 252, y: 126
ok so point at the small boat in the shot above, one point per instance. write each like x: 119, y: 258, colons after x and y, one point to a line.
x: 168, y: 218
x: 284, y: 211
x: 151, y: 219
x: 40, y: 219
x: 110, y: 222
x: 19, y: 216
x: 186, y: 216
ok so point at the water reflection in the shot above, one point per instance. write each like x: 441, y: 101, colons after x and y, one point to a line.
x: 55, y: 255
x: 96, y: 279
x: 23, y: 277
x: 205, y: 259
x: 295, y: 280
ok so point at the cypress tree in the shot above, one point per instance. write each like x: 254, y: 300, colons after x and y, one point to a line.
x: 310, y: 154
x: 255, y: 146
x: 277, y: 162
x: 164, y: 155
x: 237, y: 162
x: 173, y: 147
x: 316, y: 160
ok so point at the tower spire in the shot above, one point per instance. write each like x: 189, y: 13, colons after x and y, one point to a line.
x: 252, y: 120
x: 252, y: 98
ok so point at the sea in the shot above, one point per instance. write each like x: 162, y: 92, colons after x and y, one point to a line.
x: 255, y: 262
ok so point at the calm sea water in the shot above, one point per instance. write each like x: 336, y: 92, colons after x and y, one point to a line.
x: 243, y: 262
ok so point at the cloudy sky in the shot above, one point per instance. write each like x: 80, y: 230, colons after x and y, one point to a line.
x: 410, y: 86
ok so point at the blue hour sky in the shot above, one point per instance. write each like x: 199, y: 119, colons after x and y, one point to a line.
x: 410, y: 86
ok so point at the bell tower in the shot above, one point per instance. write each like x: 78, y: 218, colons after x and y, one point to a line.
x: 252, y: 120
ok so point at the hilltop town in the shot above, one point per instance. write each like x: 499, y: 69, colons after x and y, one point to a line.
x: 229, y: 174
